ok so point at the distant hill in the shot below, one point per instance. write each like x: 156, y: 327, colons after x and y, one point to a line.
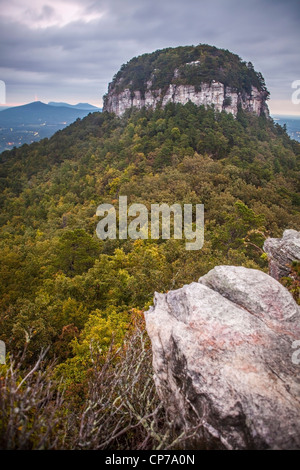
x: 37, y: 112
x: 34, y: 121
x: 85, y: 106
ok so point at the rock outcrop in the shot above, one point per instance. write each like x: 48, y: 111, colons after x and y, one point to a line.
x: 216, y: 93
x: 282, y: 252
x: 222, y: 358
x: 204, y: 75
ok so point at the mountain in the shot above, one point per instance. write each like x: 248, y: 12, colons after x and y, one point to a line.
x: 83, y: 298
x: 34, y: 121
x: 85, y: 106
x: 203, y: 74
x: 38, y: 112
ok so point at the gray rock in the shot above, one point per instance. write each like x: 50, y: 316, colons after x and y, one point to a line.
x: 282, y: 252
x: 222, y: 358
x: 258, y: 293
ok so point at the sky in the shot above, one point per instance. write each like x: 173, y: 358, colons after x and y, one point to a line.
x: 69, y: 50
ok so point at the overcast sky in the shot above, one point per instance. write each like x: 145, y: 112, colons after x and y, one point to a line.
x: 68, y: 50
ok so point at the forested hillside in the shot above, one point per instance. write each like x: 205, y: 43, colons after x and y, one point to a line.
x: 63, y: 288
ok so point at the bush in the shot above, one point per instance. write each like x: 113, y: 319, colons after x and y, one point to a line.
x: 121, y: 409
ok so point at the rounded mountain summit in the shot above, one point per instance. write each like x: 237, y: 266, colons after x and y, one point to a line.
x: 204, y: 75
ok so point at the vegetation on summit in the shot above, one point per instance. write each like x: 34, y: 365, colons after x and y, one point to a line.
x: 193, y: 65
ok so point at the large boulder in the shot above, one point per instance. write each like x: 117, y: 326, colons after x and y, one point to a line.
x: 222, y: 357
x: 282, y: 252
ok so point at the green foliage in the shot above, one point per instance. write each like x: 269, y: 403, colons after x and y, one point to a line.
x: 62, y: 287
x: 75, y: 252
x: 238, y: 226
x: 190, y: 65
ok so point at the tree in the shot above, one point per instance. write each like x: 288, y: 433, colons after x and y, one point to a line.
x: 76, y: 252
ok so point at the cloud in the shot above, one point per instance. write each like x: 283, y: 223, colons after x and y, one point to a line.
x: 37, y: 14
x: 46, y: 45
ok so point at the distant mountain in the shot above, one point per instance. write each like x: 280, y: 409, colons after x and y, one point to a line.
x: 38, y: 112
x: 85, y: 106
x: 34, y: 121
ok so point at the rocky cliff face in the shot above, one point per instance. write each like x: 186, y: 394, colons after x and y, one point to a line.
x: 223, y: 359
x: 216, y: 93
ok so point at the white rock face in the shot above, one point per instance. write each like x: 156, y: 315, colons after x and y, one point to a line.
x: 222, y: 358
x: 210, y: 94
